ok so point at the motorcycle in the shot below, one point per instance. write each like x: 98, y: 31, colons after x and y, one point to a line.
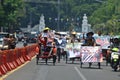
x: 115, y: 59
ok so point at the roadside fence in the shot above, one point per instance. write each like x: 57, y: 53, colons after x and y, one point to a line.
x: 13, y: 58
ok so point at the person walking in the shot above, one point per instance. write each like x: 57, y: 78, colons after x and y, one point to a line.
x: 59, y: 47
x: 53, y: 52
x: 90, y: 41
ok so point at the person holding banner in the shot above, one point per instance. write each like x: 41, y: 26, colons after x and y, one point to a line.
x: 90, y: 41
x: 73, y: 40
x: 104, y: 41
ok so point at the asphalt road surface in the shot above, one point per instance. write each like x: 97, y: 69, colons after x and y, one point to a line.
x: 62, y: 71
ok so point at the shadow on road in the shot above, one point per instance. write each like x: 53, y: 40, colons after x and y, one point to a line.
x: 50, y: 64
x: 90, y: 68
x: 118, y: 75
x: 74, y: 63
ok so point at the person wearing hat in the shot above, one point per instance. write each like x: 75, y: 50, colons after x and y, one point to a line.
x: 90, y: 41
x: 73, y: 40
x: 46, y: 29
x: 43, y: 37
x: 43, y: 40
x: 73, y: 37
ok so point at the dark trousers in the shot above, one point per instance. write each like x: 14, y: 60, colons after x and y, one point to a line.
x: 59, y: 53
x: 54, y: 59
x: 99, y: 65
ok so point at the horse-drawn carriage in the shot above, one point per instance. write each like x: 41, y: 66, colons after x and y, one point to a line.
x: 44, y: 54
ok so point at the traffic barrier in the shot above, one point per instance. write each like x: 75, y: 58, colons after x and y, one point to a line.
x: 16, y: 57
x: 34, y: 51
x: 20, y: 58
x: 3, y: 69
x: 6, y: 60
x: 24, y: 52
x: 21, y: 55
x: 11, y: 59
x: 29, y: 52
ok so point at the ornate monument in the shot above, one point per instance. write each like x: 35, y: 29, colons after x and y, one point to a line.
x: 85, y: 26
x: 41, y: 23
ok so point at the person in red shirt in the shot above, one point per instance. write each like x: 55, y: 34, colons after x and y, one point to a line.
x: 42, y: 40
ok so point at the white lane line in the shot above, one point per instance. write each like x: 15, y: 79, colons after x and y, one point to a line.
x: 80, y: 74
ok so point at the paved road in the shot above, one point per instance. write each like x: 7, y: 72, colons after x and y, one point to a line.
x: 63, y: 71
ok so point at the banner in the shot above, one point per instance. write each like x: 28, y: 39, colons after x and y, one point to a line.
x: 91, y: 54
x: 103, y: 41
x: 73, y: 49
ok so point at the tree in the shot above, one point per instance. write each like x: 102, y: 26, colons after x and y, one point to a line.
x: 108, y: 14
x: 13, y: 10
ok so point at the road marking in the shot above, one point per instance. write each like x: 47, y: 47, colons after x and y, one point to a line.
x: 80, y: 74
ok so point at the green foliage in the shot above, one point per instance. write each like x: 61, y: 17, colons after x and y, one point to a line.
x: 108, y: 14
x: 102, y: 14
x: 12, y: 11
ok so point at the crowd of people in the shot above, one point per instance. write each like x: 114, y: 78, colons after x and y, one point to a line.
x: 10, y: 41
x: 57, y: 42
x: 53, y: 43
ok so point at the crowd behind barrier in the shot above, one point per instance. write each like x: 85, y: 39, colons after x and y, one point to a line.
x: 13, y: 58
